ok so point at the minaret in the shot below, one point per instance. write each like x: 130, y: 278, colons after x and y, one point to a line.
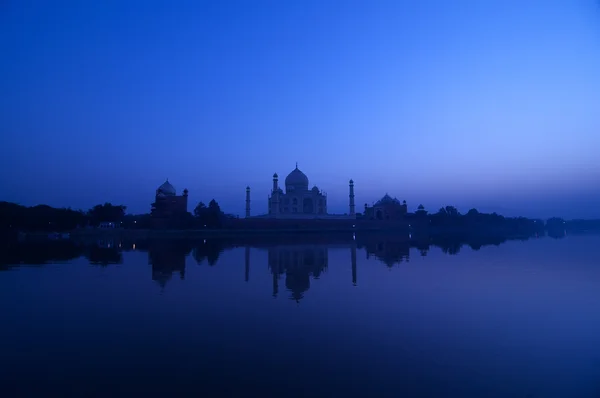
x: 247, y: 202
x: 275, y: 196
x: 352, y: 208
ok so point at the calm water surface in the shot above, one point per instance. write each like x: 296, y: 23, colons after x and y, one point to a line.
x: 521, y: 319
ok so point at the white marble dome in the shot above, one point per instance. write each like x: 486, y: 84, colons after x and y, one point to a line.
x: 297, y: 179
x: 166, y: 189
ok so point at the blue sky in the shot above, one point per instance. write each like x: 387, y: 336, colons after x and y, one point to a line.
x: 489, y: 104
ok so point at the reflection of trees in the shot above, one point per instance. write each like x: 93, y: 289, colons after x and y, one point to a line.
x: 12, y: 254
x: 208, y: 250
x: 298, y: 264
x: 389, y: 252
x: 393, y: 250
x: 451, y: 244
x: 557, y: 233
x: 166, y: 258
x: 296, y: 256
x: 103, y: 253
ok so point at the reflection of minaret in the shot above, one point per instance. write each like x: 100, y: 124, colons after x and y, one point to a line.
x: 275, y: 284
x: 247, y: 202
x: 247, y: 263
x: 353, y: 257
x: 352, y: 208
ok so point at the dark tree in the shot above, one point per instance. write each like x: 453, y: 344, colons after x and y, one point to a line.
x: 106, y: 213
x: 200, y: 210
x: 214, y: 207
x: 209, y: 217
x: 452, y: 211
x: 14, y: 217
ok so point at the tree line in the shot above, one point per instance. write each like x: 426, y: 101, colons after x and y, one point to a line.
x: 46, y: 218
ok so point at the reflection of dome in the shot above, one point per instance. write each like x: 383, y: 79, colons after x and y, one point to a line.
x: 297, y: 179
x: 166, y: 189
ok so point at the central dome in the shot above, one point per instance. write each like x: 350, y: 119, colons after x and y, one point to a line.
x: 167, y: 189
x: 297, y: 179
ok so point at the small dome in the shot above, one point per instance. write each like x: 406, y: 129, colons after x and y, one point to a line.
x: 167, y: 189
x: 351, y: 181
x: 315, y: 189
x: 297, y: 179
x: 275, y: 175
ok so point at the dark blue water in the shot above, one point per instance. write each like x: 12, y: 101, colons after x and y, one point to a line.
x: 521, y: 319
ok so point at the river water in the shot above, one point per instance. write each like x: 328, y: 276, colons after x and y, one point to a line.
x: 516, y: 319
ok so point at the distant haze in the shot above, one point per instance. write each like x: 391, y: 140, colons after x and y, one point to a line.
x: 489, y: 104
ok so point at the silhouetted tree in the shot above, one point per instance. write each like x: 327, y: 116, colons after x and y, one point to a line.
x: 200, y: 210
x: 211, y: 216
x: 214, y: 207
x: 106, y: 213
x: 473, y: 213
x: 14, y: 217
x: 452, y: 211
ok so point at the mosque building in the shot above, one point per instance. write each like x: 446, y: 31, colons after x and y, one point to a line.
x: 386, y: 208
x: 298, y: 201
x: 167, y: 205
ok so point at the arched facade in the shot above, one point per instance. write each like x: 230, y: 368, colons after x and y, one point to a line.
x: 297, y: 201
x: 386, y: 208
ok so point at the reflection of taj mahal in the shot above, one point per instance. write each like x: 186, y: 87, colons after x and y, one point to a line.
x: 298, y: 201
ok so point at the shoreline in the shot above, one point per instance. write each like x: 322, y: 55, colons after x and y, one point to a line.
x: 270, y: 233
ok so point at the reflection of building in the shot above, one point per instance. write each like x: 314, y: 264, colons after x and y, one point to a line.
x: 298, y: 263
x: 167, y: 205
x: 104, y: 252
x: 386, y: 208
x: 107, y: 225
x: 389, y: 252
x: 167, y: 258
x: 298, y: 201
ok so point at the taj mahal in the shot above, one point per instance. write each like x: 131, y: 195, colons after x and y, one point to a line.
x: 298, y: 201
